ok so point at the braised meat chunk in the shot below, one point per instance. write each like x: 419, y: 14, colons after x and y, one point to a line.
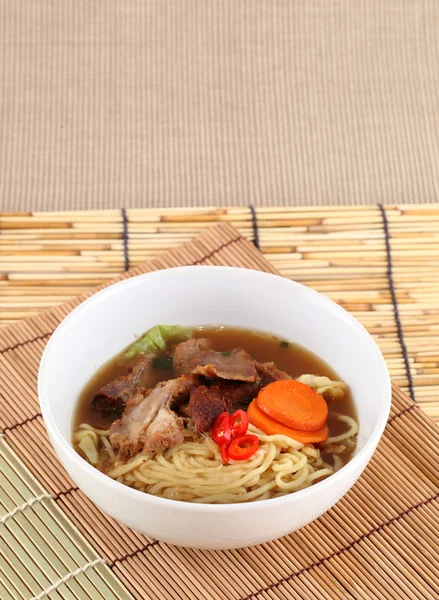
x: 206, y: 403
x: 268, y: 373
x: 236, y: 365
x: 129, y: 434
x: 184, y: 352
x: 237, y: 392
x: 166, y: 431
x: 111, y: 398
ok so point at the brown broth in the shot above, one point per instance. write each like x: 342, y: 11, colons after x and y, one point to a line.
x: 292, y: 358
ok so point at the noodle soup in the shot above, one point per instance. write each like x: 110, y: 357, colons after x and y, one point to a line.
x: 216, y: 415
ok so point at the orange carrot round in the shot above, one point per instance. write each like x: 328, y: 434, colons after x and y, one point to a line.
x: 271, y: 427
x: 293, y: 404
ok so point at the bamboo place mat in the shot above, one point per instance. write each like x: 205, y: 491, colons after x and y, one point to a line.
x: 376, y: 262
x: 377, y: 542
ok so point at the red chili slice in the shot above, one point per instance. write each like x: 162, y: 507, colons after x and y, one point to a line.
x: 243, y: 447
x: 225, y: 453
x: 222, y: 431
x: 239, y: 423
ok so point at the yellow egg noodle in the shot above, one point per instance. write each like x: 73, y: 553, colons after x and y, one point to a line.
x: 193, y: 471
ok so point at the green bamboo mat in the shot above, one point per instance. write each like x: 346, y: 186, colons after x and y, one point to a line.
x: 42, y: 553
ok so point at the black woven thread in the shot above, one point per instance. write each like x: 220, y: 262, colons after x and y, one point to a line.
x: 21, y: 423
x: 405, y: 410
x: 255, y: 227
x: 114, y: 562
x: 64, y: 493
x: 395, y: 301
x: 207, y: 256
x: 126, y: 255
x: 38, y: 337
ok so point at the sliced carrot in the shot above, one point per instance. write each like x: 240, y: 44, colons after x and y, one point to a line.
x: 294, y: 404
x: 271, y: 427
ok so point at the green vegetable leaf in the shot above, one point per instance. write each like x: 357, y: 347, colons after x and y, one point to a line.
x: 158, y: 338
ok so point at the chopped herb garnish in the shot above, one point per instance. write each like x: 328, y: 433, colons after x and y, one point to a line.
x: 284, y: 344
x: 162, y: 362
x: 226, y: 353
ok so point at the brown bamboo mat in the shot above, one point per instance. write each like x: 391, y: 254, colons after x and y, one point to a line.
x: 377, y: 542
x: 47, y: 258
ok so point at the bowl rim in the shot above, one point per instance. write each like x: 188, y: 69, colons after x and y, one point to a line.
x: 120, y: 488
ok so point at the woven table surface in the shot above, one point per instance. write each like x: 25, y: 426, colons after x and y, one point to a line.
x: 377, y: 542
x: 145, y: 103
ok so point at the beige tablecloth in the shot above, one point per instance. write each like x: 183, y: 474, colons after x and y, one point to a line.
x: 109, y: 103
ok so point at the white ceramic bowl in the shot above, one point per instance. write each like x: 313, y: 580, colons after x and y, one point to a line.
x: 108, y: 321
